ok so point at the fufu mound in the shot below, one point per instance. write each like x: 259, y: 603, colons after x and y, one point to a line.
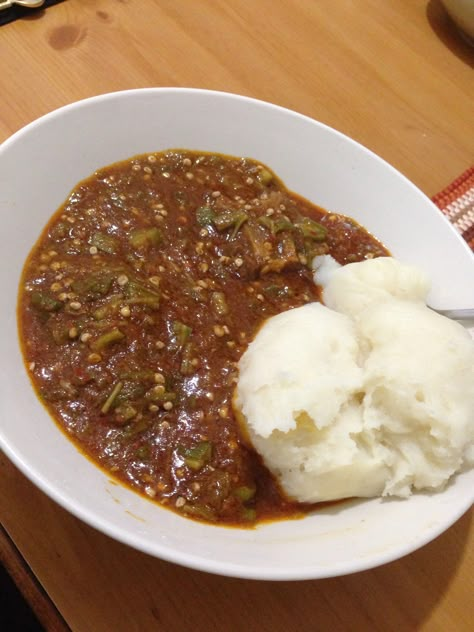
x: 370, y: 394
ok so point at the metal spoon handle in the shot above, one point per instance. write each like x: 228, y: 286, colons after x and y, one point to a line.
x: 456, y: 314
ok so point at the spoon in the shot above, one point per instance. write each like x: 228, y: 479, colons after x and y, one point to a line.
x: 28, y: 4
x: 456, y: 314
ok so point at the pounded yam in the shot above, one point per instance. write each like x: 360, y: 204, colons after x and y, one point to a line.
x: 378, y: 399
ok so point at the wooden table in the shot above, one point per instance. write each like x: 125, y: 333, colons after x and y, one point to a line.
x: 395, y: 76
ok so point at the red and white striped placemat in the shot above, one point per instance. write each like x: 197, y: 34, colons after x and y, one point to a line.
x: 456, y: 201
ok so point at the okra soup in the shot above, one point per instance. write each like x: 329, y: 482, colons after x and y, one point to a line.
x: 139, y: 299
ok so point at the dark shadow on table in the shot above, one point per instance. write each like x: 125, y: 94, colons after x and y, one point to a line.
x: 15, y: 612
x: 448, y: 32
x: 34, y: 15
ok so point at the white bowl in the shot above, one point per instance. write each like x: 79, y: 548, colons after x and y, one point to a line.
x: 38, y: 167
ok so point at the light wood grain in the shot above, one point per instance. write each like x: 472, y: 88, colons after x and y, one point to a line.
x: 395, y: 76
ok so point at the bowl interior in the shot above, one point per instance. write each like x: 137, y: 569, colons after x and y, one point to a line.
x: 38, y: 167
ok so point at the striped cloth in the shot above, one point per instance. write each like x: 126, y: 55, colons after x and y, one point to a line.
x: 456, y: 201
